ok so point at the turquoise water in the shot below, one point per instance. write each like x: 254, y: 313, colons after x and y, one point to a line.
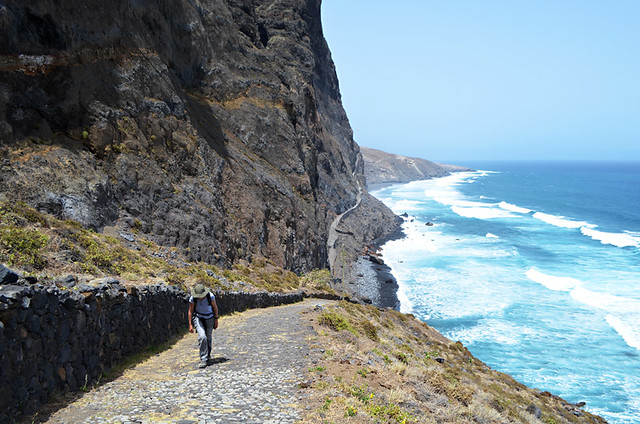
x: 535, y: 267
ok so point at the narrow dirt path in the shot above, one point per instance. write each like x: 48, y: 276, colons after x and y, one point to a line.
x: 260, y: 358
x: 333, y: 233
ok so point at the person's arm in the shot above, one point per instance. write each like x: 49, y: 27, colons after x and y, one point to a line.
x: 215, y: 313
x: 192, y: 306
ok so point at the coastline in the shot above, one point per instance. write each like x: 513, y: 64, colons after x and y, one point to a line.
x: 506, y: 339
x: 371, y: 280
x: 374, y: 283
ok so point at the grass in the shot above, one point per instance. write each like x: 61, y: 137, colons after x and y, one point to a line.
x: 40, y: 245
x: 394, y: 377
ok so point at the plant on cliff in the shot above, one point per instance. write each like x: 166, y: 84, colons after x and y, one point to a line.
x: 47, y: 248
x: 410, y: 373
x: 21, y: 241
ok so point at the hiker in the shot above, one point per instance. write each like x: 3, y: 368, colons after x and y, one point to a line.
x: 203, y: 315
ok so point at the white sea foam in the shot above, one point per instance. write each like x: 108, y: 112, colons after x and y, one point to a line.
x: 493, y: 330
x: 405, y: 205
x: 630, y: 333
x: 615, y: 239
x: 624, y: 312
x: 513, y: 208
x: 490, y: 235
x: 444, y: 191
x: 552, y: 282
x: 481, y: 212
x: 561, y: 221
x: 605, y: 301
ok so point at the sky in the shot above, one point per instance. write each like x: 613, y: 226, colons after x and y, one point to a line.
x: 456, y: 80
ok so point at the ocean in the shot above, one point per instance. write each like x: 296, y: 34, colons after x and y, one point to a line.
x: 535, y: 267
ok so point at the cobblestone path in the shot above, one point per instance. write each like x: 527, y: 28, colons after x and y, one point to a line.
x: 260, y: 358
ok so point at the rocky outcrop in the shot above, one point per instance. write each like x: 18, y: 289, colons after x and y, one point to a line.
x: 381, y: 168
x: 216, y: 126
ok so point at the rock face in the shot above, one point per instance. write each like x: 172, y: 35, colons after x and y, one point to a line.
x: 214, y: 126
x: 382, y: 168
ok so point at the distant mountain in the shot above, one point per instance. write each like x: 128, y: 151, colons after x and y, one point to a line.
x: 382, y: 168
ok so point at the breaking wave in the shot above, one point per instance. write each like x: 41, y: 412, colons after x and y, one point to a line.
x: 615, y: 239
x: 561, y: 221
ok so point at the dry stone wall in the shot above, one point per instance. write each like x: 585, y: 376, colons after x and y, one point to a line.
x: 58, y: 339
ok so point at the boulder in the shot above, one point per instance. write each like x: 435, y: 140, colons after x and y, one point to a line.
x: 534, y: 410
x: 7, y: 276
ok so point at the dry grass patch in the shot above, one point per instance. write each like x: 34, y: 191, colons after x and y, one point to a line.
x: 39, y: 245
x: 381, y: 366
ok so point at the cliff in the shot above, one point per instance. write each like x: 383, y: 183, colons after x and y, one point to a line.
x: 216, y: 127
x: 381, y: 168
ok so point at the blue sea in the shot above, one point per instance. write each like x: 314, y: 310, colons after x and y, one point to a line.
x: 535, y: 267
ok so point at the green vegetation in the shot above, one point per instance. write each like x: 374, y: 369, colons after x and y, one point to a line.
x: 337, y: 321
x: 21, y: 238
x: 318, y: 279
x: 41, y: 245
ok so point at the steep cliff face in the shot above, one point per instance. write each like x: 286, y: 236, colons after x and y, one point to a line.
x: 215, y: 126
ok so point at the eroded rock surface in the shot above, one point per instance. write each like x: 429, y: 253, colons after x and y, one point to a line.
x: 215, y: 126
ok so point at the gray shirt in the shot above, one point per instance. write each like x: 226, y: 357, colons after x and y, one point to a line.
x: 203, y: 308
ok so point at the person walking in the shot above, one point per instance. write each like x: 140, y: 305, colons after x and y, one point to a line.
x: 203, y: 316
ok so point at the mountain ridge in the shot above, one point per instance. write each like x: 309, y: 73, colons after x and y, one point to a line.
x: 382, y: 168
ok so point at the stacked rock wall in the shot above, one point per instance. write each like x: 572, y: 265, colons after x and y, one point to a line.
x: 56, y: 339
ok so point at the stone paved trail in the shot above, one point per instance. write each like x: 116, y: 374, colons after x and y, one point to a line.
x: 260, y: 358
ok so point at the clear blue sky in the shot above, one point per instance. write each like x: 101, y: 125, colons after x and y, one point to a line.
x: 487, y: 79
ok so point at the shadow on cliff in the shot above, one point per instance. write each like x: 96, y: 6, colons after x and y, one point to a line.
x: 206, y: 124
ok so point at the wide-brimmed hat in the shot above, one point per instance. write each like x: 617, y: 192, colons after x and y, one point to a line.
x: 199, y: 291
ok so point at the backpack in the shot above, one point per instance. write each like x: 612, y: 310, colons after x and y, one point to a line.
x: 195, y: 303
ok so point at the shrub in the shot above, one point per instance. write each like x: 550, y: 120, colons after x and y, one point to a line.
x: 319, y: 279
x: 336, y: 321
x: 22, y: 246
x: 369, y: 330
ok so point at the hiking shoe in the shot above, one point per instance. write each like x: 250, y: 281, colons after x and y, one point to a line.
x: 202, y: 365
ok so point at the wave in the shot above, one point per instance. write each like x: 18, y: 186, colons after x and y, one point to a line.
x: 513, y: 208
x: 623, y: 317
x: 561, y: 221
x: 493, y: 236
x: 481, y: 212
x: 491, y: 330
x: 629, y: 333
x: 615, y: 239
x: 406, y: 205
x: 623, y: 313
x: 552, y: 282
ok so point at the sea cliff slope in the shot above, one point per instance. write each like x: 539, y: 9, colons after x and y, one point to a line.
x: 216, y: 127
x: 382, y: 168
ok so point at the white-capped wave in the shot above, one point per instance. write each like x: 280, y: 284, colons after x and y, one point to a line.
x: 490, y: 235
x: 561, y: 221
x: 481, y: 212
x: 484, y: 172
x: 552, y: 282
x: 630, y: 333
x: 624, y: 312
x: 444, y: 190
x: 406, y: 205
x: 492, y: 330
x: 615, y: 239
x: 513, y: 208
